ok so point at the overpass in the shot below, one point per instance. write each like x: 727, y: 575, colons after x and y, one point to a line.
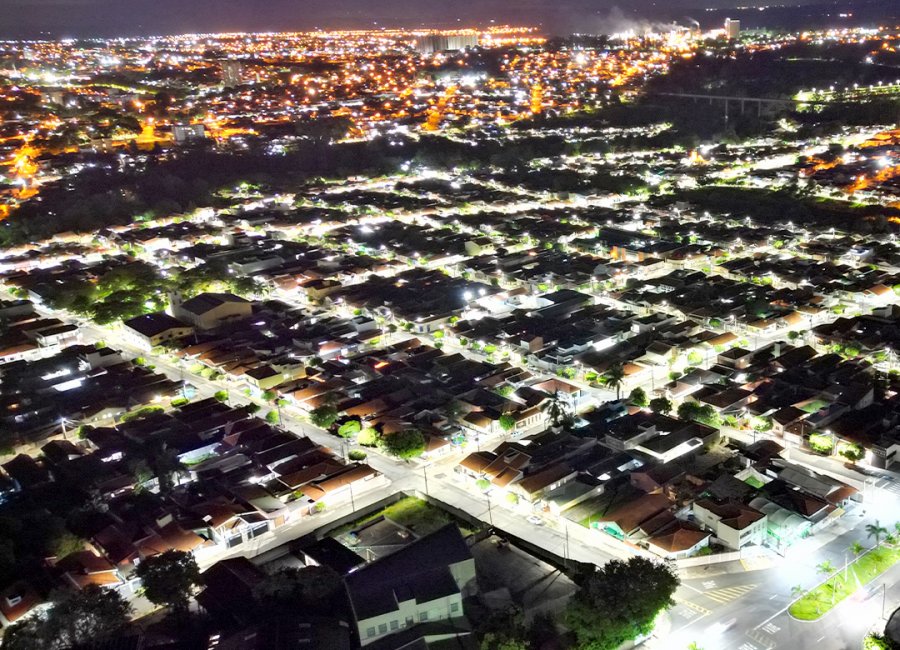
x: 726, y: 100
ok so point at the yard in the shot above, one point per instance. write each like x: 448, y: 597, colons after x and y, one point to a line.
x: 817, y: 602
x: 417, y: 515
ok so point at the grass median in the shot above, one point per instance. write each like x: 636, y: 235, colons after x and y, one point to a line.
x: 819, y: 601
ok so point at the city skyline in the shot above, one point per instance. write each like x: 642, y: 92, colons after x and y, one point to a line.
x: 85, y: 18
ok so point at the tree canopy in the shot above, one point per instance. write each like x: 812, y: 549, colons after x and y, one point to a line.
x: 405, y: 444
x: 75, y: 619
x: 619, y: 602
x: 169, y: 578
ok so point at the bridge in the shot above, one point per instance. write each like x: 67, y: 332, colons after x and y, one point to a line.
x: 726, y: 100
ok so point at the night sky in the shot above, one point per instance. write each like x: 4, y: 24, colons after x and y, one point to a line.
x: 61, y: 18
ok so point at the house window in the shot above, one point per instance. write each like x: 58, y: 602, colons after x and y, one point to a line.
x: 395, y: 625
x: 370, y: 632
x: 382, y: 628
x: 409, y: 621
x: 454, y: 607
x: 423, y: 616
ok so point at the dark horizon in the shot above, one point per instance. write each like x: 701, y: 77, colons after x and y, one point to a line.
x: 108, y: 18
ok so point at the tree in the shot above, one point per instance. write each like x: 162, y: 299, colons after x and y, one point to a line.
x: 221, y: 395
x: 856, y: 548
x: 613, y: 378
x: 797, y: 592
x: 827, y: 569
x: 272, y: 417
x: 507, y: 422
x: 368, y: 437
x: 638, y: 397
x: 619, y: 602
x: 290, y: 590
x: 74, y: 619
x: 852, y: 451
x: 877, y: 531
x: 349, y: 429
x: 557, y: 409
x: 406, y: 444
x: 703, y: 413
x: 169, y: 579
x: 324, y: 416
x: 163, y: 460
x: 661, y: 405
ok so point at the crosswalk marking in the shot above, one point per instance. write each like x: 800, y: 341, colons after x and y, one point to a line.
x: 762, y: 638
x: 709, y: 584
x: 747, y: 646
x: 727, y: 594
x: 692, y: 605
x: 770, y: 628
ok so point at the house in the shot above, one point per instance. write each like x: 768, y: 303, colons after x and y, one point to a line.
x: 210, y: 310
x: 677, y: 541
x: 17, y: 599
x: 149, y: 330
x: 228, y: 589
x: 424, y: 582
x: 735, y: 524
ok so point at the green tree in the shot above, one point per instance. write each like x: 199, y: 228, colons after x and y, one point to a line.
x: 74, y: 619
x: 856, y: 548
x: 703, y: 413
x: 324, y: 416
x: 852, y: 451
x: 613, y: 378
x: 638, y: 397
x: 619, y: 602
x: 272, y: 417
x: 661, y: 405
x: 221, y: 395
x: 349, y: 429
x: 406, y: 444
x: 557, y: 409
x: 168, y: 579
x: 507, y: 422
x: 368, y: 437
x: 877, y: 531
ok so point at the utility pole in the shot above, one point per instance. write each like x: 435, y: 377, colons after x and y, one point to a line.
x: 490, y: 512
x: 425, y: 475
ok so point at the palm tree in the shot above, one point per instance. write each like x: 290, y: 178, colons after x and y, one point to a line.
x: 876, y: 530
x: 165, y: 464
x: 797, y: 592
x: 557, y: 409
x: 897, y: 527
x: 826, y: 568
x: 614, y: 376
x: 856, y: 548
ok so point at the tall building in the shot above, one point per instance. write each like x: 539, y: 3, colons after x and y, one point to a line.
x: 431, y: 43
x: 231, y: 73
x: 732, y: 28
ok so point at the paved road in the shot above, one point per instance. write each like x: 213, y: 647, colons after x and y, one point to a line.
x: 746, y: 609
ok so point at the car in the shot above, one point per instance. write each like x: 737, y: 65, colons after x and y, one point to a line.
x: 534, y: 519
x: 722, y: 626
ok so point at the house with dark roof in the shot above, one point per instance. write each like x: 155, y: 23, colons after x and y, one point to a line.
x: 210, y: 310
x: 423, y: 583
x: 149, y: 330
